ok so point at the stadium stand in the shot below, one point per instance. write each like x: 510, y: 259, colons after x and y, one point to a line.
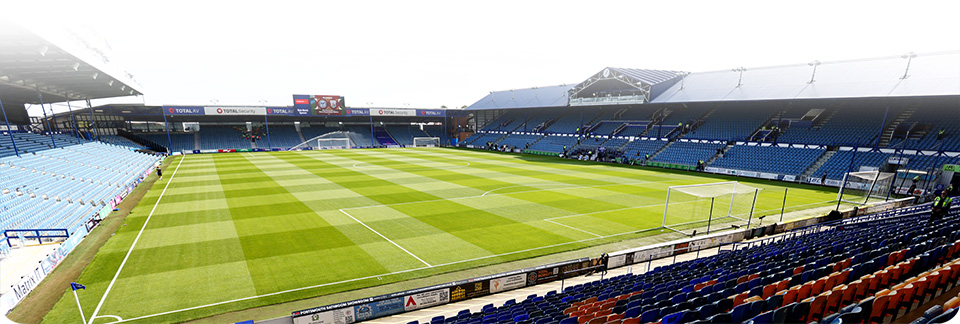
x: 874, y: 269
x: 383, y: 137
x: 638, y: 149
x: 60, y: 188
x: 404, y: 134
x: 732, y: 123
x: 687, y: 153
x: 282, y: 136
x: 183, y: 142
x: 770, y: 159
x: 121, y: 141
x: 841, y: 126
x: 360, y: 135
x: 214, y: 137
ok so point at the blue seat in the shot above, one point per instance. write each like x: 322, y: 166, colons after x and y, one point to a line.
x: 740, y: 313
x: 650, y: 316
x: 673, y: 318
x: 569, y: 320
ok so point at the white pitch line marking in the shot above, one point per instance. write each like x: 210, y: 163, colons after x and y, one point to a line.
x: 573, y: 228
x: 124, y: 262
x: 113, y: 316
x: 385, y: 238
x: 251, y: 155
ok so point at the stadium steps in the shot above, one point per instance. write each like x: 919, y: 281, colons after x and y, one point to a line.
x: 717, y: 156
x: 253, y: 144
x: 654, y: 155
x: 887, y: 135
x: 196, y: 140
x: 762, y: 127
x: 300, y: 134
x: 817, y: 164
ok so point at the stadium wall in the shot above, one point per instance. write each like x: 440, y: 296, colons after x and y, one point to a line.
x: 410, y: 300
x: 30, y: 281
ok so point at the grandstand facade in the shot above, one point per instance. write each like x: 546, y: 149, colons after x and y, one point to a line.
x: 802, y: 123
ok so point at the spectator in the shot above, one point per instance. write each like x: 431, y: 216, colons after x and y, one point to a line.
x: 160, y: 172
x: 940, y: 207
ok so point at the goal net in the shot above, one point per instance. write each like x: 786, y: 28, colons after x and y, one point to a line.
x: 865, y: 186
x: 706, y: 207
x: 330, y: 140
x: 426, y: 141
x: 333, y: 143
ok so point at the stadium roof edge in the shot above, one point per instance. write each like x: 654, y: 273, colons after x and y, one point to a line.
x: 61, y: 64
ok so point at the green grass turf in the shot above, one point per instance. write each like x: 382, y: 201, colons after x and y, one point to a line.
x: 254, y: 226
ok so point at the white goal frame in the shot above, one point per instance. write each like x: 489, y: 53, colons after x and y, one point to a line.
x: 754, y: 191
x: 873, y: 186
x: 329, y: 143
x: 432, y: 141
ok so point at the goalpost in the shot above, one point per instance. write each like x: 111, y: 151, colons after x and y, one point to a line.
x: 692, y: 207
x: 860, y: 187
x: 426, y: 141
x: 333, y: 143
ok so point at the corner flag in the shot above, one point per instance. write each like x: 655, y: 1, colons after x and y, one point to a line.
x: 76, y: 286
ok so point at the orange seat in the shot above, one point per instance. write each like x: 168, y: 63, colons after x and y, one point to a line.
x: 789, y: 296
x: 738, y: 298
x: 834, y: 300
x: 906, y: 297
x: 879, y: 308
x: 804, y: 291
x: 797, y: 270
x: 850, y: 293
x: 596, y: 320
x: 603, y: 313
x: 635, y: 320
x: 614, y: 317
x: 893, y: 304
x: 818, y: 286
x: 752, y: 299
x: 769, y: 290
x: 817, y: 307
x: 952, y: 303
x: 783, y: 284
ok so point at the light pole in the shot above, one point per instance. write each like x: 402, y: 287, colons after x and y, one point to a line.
x: 909, y: 57
x: 683, y: 77
x: 740, y: 80
x: 814, y: 64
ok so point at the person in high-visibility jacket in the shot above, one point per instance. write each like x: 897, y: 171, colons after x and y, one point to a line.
x: 941, y: 205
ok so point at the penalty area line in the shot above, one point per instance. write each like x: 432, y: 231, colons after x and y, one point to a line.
x: 124, y: 262
x: 385, y: 238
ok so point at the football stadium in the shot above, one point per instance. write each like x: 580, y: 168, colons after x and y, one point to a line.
x: 804, y: 192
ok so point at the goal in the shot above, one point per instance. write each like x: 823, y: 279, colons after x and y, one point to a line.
x: 333, y: 143
x: 865, y: 186
x: 710, y: 206
x: 426, y: 141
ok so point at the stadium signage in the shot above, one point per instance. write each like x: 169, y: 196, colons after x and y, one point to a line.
x: 951, y: 167
x: 233, y: 111
x: 183, y: 110
x: 279, y: 111
x: 429, y: 113
x: 394, y: 112
x: 323, y: 105
x: 358, y: 112
x: 384, y: 305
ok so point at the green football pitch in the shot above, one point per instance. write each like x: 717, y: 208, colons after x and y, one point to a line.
x: 224, y: 232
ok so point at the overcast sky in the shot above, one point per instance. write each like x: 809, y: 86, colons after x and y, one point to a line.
x: 428, y: 54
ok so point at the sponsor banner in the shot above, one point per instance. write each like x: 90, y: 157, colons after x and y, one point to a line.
x: 772, y: 176
x: 182, y: 110
x: 30, y: 281
x: 616, y: 261
x: 357, y: 112
x: 749, y: 174
x: 393, y: 112
x: 227, y: 151
x: 245, y: 150
x: 430, y: 113
x: 712, y: 170
x: 234, y: 111
x: 279, y: 111
x: 104, y: 212
x: 814, y: 180
x: 377, y: 309
x: 831, y: 182
x: 951, y: 167
x: 337, y: 316
x: 789, y: 178
x: 469, y: 290
x: 426, y: 299
x: 507, y: 283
